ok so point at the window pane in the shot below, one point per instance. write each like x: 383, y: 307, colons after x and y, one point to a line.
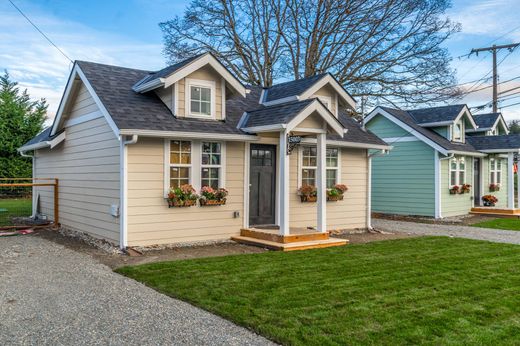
x: 205, y: 159
x: 462, y: 178
x: 331, y: 178
x: 206, y: 147
x: 195, y: 107
x: 499, y: 164
x: 205, y: 173
x: 215, y: 147
x: 215, y: 159
x: 186, y: 146
x: 499, y: 177
x: 175, y: 146
x: 205, y: 94
x: 186, y: 158
x: 454, y: 164
x: 453, y: 177
x: 174, y: 172
x: 195, y: 93
x: 205, y: 108
x: 214, y: 173
x: 309, y: 177
x: 175, y: 157
x: 184, y: 172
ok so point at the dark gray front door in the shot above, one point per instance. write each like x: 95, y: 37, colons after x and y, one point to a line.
x: 262, y: 182
x: 476, y: 181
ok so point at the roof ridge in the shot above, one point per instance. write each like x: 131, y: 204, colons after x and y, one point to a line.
x: 110, y: 65
x: 283, y: 104
x: 298, y: 80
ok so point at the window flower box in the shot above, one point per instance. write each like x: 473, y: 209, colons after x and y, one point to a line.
x: 494, y: 187
x: 489, y: 200
x: 336, y: 193
x: 182, y: 196
x: 455, y: 189
x: 210, y: 196
x: 466, y: 188
x: 308, y: 193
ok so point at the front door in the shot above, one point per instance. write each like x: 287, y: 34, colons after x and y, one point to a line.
x: 262, y: 182
x: 476, y: 181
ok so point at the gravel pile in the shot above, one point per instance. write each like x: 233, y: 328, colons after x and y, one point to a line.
x: 51, y: 295
x: 489, y: 234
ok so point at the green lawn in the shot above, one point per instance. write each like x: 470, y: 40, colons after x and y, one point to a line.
x: 507, y: 224
x: 433, y: 290
x: 12, y: 207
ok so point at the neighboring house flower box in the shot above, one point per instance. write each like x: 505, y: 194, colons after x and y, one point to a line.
x: 494, y: 187
x: 466, y: 188
x: 183, y: 196
x: 308, y: 193
x: 210, y: 196
x: 454, y: 190
x: 336, y: 193
x: 489, y: 200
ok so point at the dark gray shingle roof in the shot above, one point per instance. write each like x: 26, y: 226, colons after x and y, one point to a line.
x: 292, y: 88
x: 495, y: 142
x: 435, y: 114
x: 485, y: 120
x: 355, y: 132
x: 406, y: 118
x: 278, y: 114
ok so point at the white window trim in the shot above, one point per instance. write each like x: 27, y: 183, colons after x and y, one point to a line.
x: 457, y: 170
x: 221, y: 173
x: 301, y: 166
x: 327, y: 99
x: 189, y: 82
x: 196, y: 163
x: 493, y: 170
x: 453, y: 127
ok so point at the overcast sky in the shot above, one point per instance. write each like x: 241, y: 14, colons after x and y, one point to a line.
x: 126, y: 33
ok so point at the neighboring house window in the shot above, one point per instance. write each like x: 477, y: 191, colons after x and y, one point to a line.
x: 495, y: 171
x: 310, y: 162
x: 457, y: 132
x: 200, y: 98
x: 211, y: 164
x: 457, y: 171
x: 180, y: 163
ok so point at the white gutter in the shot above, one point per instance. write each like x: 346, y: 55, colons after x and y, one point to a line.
x: 183, y: 134
x: 123, y: 189
x: 44, y: 144
x: 456, y: 152
x: 497, y: 151
x: 369, y: 184
x: 438, y: 178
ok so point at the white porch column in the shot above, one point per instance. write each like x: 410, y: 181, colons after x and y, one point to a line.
x: 510, y: 182
x: 518, y: 186
x: 321, y: 182
x: 283, y: 163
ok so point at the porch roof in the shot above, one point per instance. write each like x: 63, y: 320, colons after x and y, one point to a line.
x: 503, y: 143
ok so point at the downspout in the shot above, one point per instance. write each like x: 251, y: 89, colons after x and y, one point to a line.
x: 439, y: 180
x: 369, y: 184
x: 123, y: 186
x: 33, y: 192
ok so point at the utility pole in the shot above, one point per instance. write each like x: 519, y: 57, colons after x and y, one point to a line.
x: 494, y: 50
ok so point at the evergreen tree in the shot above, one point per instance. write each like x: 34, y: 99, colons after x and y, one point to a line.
x: 20, y: 120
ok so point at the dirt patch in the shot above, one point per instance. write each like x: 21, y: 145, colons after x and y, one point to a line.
x: 463, y: 220
x: 179, y: 253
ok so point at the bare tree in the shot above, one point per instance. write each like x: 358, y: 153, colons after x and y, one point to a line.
x: 384, y: 49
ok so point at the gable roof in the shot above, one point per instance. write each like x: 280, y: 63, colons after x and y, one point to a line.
x: 431, y: 137
x: 132, y: 112
x: 292, y: 88
x: 495, y: 143
x: 436, y: 114
x: 488, y: 121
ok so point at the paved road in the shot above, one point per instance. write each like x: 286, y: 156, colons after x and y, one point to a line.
x: 51, y: 295
x: 494, y: 235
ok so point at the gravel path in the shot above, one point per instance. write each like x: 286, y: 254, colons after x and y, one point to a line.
x: 489, y: 234
x: 51, y: 295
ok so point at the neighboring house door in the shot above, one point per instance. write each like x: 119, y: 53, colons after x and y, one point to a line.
x: 262, y: 182
x: 476, y: 181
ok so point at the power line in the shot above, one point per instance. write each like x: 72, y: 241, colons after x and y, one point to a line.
x: 41, y: 32
x: 511, y: 105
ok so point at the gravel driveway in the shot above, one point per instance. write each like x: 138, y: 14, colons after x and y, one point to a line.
x: 494, y: 235
x: 51, y: 295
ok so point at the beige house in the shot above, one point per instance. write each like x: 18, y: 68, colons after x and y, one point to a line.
x: 123, y: 137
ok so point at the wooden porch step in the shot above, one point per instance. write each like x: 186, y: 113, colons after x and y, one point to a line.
x: 495, y: 211
x: 300, y: 245
x: 284, y: 239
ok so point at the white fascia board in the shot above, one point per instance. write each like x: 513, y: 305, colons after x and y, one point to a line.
x: 45, y: 144
x: 479, y: 129
x: 497, y: 151
x: 346, y: 144
x: 503, y: 122
x: 278, y: 101
x: 328, y: 79
x: 470, y: 117
x: 206, y: 59
x: 466, y: 153
x: 64, y: 99
x: 380, y: 111
x: 264, y: 128
x: 317, y: 106
x: 194, y: 135
x: 153, y: 84
x: 437, y: 123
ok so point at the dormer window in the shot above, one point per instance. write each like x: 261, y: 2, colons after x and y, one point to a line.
x: 201, y: 96
x: 327, y: 101
x: 458, y: 131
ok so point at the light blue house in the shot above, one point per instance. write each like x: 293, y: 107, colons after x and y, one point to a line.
x: 443, y: 161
